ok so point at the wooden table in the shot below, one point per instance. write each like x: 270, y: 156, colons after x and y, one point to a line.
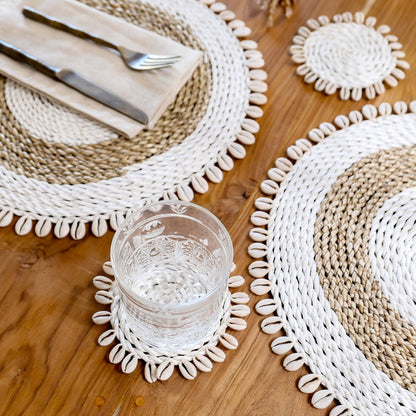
x: 50, y: 363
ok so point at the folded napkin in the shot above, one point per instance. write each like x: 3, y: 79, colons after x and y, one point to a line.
x: 151, y: 91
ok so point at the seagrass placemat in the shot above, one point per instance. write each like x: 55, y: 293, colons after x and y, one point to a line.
x: 335, y: 246
x: 348, y: 54
x: 60, y: 171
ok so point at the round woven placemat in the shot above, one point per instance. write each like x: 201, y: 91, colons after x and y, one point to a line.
x: 129, y: 350
x: 61, y: 170
x: 348, y: 54
x: 337, y: 252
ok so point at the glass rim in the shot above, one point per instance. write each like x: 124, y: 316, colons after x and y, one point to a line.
x: 175, y: 306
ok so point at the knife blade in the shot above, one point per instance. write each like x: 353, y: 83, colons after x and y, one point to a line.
x: 78, y: 82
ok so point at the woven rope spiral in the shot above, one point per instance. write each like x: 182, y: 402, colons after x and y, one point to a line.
x: 337, y: 255
x: 159, y: 364
x: 348, y: 54
x: 60, y: 170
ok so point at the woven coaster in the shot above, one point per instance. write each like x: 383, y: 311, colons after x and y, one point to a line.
x: 348, y: 54
x: 59, y: 170
x: 129, y: 350
x: 335, y: 246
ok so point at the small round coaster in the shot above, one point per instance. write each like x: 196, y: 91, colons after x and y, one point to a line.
x: 334, y: 245
x: 348, y: 54
x: 159, y: 365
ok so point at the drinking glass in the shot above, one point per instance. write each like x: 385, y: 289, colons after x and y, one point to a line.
x: 171, y: 262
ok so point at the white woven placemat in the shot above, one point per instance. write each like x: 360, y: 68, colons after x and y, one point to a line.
x: 60, y: 171
x: 129, y: 350
x: 348, y: 54
x: 335, y: 245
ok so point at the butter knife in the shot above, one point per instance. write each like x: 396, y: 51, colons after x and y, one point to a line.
x: 77, y: 82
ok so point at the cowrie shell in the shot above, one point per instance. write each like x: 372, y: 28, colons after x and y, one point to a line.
x: 264, y: 203
x: 43, y: 227
x: 309, y: 383
x: 340, y: 410
x: 228, y: 341
x: 150, y: 372
x: 216, y: 354
x: 266, y: 306
x: 107, y: 337
x: 237, y: 150
x: 116, y: 219
x: 240, y: 297
x: 23, y: 225
x: 257, y: 250
x: 293, y: 361
x: 102, y: 282
x: 129, y: 364
x: 238, y: 324
x: 6, y: 217
x: 276, y: 174
x: 281, y: 345
x: 257, y: 98
x: 187, y: 369
x: 269, y: 187
x: 164, y: 370
x: 322, y: 399
x: 235, y: 281
x: 240, y: 310
x: 214, y: 174
x: 271, y: 325
x: 260, y: 286
x: 260, y: 218
x: 203, y: 363
x: 260, y: 234
x: 259, y: 268
x: 101, y: 317
x: 108, y: 268
x: 284, y: 164
x: 104, y: 297
x: 78, y: 230
x: 199, y: 183
x: 117, y: 354
x: 61, y: 229
x: 99, y: 226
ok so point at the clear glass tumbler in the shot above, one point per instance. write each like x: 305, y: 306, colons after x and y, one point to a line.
x: 171, y: 261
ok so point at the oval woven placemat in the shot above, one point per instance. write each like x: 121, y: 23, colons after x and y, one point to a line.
x: 60, y: 170
x: 335, y: 247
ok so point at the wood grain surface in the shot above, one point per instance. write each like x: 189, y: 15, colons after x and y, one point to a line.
x: 50, y: 363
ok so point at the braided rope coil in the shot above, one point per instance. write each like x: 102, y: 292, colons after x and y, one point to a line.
x: 294, y: 249
x: 159, y: 364
x: 348, y: 54
x: 66, y: 205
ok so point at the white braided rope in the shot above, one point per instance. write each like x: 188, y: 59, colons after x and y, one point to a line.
x: 51, y: 121
x: 287, y: 245
x: 237, y: 90
x: 159, y: 364
x: 348, y: 54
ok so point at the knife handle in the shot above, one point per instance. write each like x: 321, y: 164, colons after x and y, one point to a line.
x: 21, y: 56
x: 36, y: 15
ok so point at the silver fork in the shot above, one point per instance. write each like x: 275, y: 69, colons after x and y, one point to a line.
x: 133, y: 59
